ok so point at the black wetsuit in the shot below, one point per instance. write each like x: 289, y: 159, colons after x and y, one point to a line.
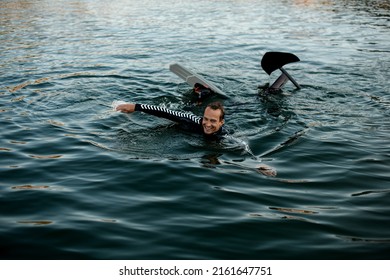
x: 186, y: 120
x: 201, y: 92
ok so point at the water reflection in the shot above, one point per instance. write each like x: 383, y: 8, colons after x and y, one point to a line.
x: 377, y: 7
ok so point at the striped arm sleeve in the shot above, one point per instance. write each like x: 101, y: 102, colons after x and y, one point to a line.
x: 175, y: 116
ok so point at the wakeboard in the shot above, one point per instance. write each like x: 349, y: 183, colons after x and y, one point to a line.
x: 193, y: 78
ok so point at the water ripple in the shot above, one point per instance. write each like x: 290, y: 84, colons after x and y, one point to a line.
x: 305, y: 174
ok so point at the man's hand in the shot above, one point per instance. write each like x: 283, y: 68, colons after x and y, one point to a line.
x: 126, y: 108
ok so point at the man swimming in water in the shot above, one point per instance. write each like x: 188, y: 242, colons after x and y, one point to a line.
x: 211, y: 125
x: 201, y: 92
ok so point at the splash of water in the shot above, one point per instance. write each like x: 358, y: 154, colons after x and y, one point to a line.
x: 234, y: 143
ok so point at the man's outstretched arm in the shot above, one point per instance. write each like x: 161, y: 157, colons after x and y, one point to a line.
x: 160, y: 112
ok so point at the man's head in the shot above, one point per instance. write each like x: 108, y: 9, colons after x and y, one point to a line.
x: 213, y: 118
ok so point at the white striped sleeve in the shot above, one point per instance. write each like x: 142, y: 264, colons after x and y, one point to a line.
x: 176, y: 116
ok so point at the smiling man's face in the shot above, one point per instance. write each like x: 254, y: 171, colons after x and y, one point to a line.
x: 212, y: 120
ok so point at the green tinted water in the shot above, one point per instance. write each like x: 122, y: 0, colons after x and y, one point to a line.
x: 79, y: 181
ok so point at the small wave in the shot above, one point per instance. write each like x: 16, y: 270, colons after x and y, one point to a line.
x: 45, y: 157
x: 290, y: 141
x: 36, y: 223
x: 364, y: 240
x: 284, y: 217
x: 292, y: 210
x: 370, y: 192
x: 233, y: 143
x: 29, y: 187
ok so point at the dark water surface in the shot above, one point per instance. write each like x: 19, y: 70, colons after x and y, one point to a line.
x: 79, y: 181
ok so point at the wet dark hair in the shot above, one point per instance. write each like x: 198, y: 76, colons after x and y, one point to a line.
x: 198, y: 85
x: 217, y: 106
